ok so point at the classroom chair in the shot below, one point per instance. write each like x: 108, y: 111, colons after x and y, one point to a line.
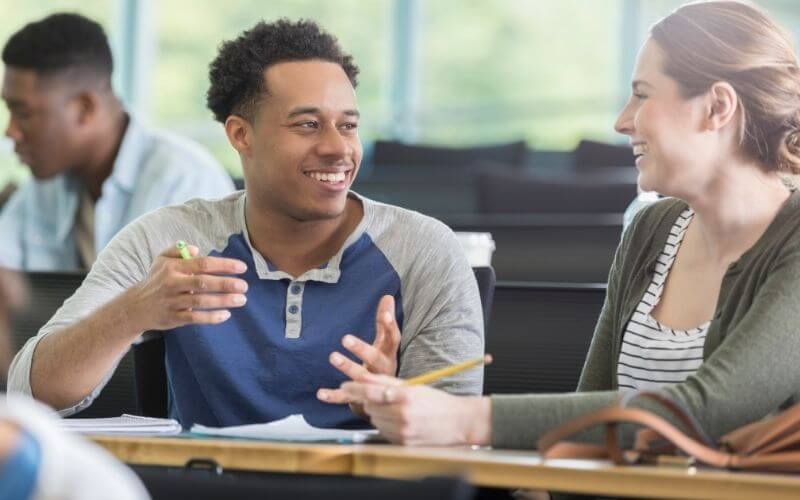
x: 539, y: 336
x: 46, y: 292
x: 168, y: 483
x: 399, y: 154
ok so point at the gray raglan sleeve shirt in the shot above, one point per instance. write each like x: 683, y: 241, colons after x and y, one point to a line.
x: 441, y: 302
x: 119, y: 266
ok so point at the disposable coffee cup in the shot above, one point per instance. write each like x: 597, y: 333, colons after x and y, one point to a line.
x: 478, y: 248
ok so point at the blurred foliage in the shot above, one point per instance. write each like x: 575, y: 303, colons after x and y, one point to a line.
x: 549, y: 72
x: 489, y: 72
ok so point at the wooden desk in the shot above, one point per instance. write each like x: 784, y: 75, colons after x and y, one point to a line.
x: 232, y: 454
x: 493, y: 468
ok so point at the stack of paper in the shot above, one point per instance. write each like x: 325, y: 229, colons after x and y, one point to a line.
x: 126, y: 424
x: 291, y: 428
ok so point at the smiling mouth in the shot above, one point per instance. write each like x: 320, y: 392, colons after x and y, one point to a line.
x: 639, y: 150
x: 332, y: 182
x: 327, y: 177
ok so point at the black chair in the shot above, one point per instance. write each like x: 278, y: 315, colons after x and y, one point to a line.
x: 150, y: 372
x: 168, y: 483
x: 393, y: 153
x: 428, y: 192
x: 486, y: 282
x: 149, y: 355
x: 47, y: 292
x: 539, y: 336
x: 600, y: 154
x: 575, y: 248
x: 502, y: 192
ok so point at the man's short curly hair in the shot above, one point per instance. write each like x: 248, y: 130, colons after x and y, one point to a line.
x: 58, y: 43
x: 237, y: 73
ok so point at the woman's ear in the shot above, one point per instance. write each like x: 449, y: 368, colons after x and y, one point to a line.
x: 723, y: 105
x: 239, y: 132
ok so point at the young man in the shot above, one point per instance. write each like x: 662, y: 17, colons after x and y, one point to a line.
x: 95, y: 168
x: 279, y: 273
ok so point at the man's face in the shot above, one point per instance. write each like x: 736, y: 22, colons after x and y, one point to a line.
x: 305, y: 150
x: 43, y: 121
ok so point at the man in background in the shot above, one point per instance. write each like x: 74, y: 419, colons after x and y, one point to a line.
x: 95, y: 167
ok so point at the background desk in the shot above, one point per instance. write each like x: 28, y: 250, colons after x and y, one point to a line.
x: 493, y: 468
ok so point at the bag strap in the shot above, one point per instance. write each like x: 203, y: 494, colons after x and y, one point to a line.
x: 767, y: 435
x: 612, y: 416
x: 695, y: 431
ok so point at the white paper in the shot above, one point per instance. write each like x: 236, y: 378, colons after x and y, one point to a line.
x: 291, y: 428
x: 125, y: 424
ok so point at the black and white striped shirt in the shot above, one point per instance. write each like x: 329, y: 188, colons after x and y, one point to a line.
x: 654, y: 355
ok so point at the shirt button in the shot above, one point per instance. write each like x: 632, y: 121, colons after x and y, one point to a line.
x: 295, y: 289
x: 293, y: 309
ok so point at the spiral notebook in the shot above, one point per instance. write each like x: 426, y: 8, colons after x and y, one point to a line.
x: 124, y: 424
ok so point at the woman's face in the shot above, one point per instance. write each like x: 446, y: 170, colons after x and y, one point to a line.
x: 673, y: 151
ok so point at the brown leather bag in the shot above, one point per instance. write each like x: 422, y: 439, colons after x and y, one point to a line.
x: 770, y: 445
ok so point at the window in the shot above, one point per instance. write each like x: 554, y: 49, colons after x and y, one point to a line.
x: 548, y: 72
x: 435, y: 71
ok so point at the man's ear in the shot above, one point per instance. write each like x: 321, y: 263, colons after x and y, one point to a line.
x: 240, y: 134
x: 86, y: 105
x: 723, y: 105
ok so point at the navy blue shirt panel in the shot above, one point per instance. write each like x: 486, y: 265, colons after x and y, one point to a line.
x: 246, y: 371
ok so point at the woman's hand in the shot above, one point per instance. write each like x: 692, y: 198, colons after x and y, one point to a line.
x: 420, y: 415
x: 379, y: 358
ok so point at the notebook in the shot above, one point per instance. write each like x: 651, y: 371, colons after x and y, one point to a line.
x: 125, y: 424
x: 291, y: 428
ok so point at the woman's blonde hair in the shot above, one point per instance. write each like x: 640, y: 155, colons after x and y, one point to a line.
x: 738, y: 43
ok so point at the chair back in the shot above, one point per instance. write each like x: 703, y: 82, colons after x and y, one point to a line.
x: 399, y: 154
x: 47, y: 291
x: 601, y: 154
x: 168, y: 483
x: 547, y: 247
x: 569, y: 192
x: 149, y: 357
x: 539, y: 335
x: 486, y: 281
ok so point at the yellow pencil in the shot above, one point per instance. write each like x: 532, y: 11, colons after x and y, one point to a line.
x: 435, y: 375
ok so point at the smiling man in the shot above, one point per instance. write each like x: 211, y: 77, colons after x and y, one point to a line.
x: 292, y: 282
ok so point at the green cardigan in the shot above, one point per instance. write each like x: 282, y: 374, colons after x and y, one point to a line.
x: 751, y: 357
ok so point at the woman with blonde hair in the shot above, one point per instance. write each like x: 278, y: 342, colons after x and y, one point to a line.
x: 703, y: 298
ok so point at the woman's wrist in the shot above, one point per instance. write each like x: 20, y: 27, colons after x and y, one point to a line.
x: 478, y: 420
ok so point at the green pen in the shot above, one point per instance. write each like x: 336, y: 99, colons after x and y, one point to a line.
x: 183, y: 249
